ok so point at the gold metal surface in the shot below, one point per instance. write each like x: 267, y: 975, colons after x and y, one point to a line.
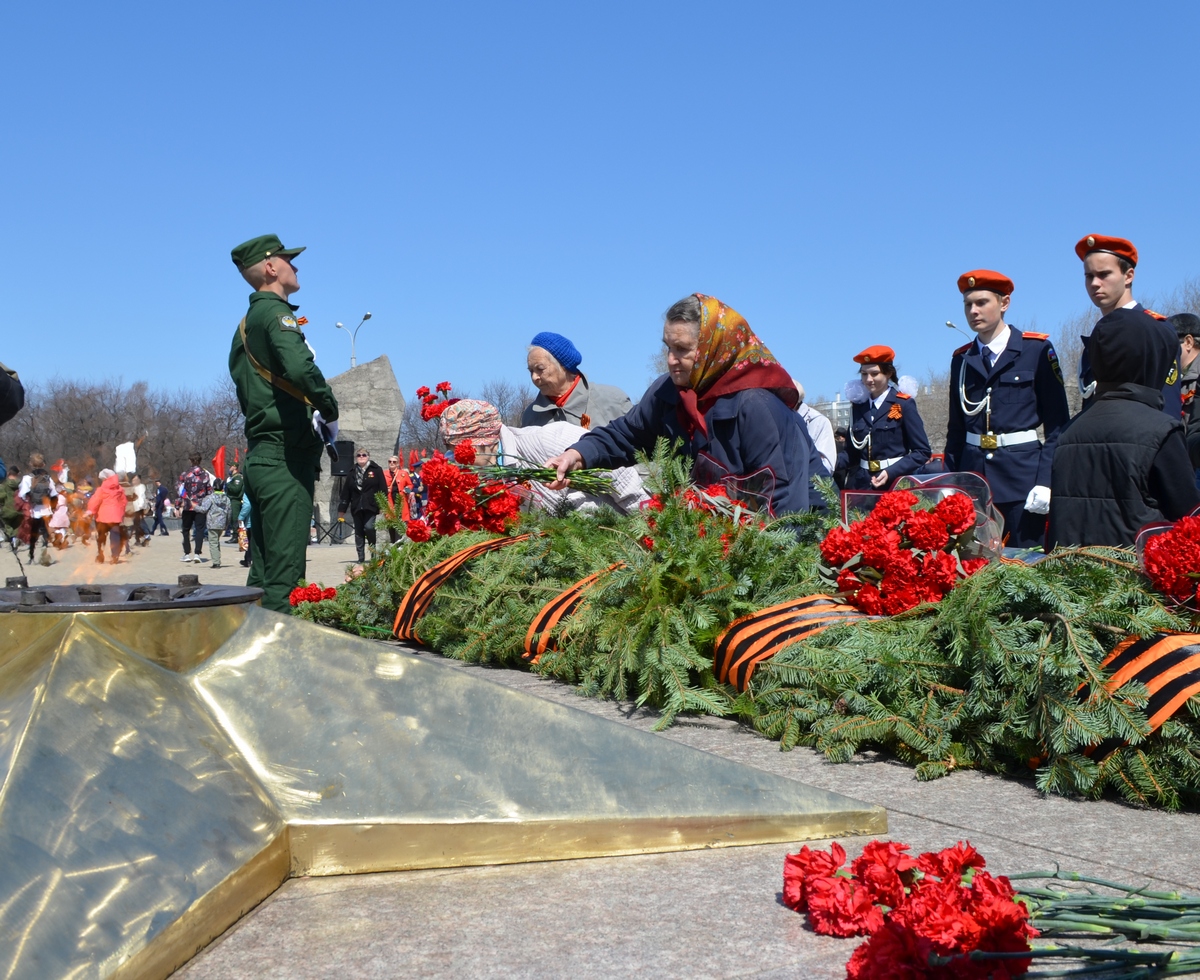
x: 142, y: 811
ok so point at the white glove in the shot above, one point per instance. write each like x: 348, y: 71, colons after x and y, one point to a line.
x: 326, y: 430
x: 1038, y: 501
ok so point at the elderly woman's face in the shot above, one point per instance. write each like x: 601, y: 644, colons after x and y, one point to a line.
x: 682, y: 341
x: 548, y: 376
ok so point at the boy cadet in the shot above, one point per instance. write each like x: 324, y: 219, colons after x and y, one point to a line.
x: 1109, y: 265
x: 1003, y: 385
x: 286, y: 401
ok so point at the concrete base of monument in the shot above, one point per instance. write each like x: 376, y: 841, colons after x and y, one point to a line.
x: 165, y: 767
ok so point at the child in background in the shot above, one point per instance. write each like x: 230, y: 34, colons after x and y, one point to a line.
x: 216, y: 508
x: 60, y: 523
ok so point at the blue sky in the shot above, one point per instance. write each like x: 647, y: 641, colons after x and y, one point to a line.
x: 475, y: 173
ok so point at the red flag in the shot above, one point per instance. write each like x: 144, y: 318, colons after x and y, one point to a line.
x: 218, y: 462
x: 412, y: 458
x: 235, y: 454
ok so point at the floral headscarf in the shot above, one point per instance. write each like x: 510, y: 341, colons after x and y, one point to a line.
x: 469, y: 418
x: 730, y: 358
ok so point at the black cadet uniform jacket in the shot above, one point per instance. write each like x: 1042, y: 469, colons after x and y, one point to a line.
x: 1172, y: 396
x: 1120, y: 465
x: 895, y: 430
x: 1027, y: 391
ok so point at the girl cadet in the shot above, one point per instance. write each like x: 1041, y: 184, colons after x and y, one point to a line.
x: 887, y: 436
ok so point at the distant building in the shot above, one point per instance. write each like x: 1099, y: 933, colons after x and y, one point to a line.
x: 837, y: 411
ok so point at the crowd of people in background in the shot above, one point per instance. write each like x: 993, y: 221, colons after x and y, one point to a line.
x: 118, y: 512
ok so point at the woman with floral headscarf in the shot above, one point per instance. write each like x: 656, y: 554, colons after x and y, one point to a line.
x: 729, y: 401
x: 528, y: 445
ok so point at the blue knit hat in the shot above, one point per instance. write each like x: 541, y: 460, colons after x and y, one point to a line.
x: 558, y: 347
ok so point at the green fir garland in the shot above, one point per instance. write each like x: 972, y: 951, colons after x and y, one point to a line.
x: 988, y: 678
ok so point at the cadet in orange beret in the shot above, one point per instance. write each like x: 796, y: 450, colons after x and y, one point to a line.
x: 1003, y: 386
x: 1109, y: 265
x: 887, y: 436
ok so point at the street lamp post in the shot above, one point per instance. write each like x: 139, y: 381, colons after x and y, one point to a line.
x: 353, y: 336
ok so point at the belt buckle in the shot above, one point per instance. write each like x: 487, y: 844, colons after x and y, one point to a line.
x: 873, y: 466
x: 988, y: 441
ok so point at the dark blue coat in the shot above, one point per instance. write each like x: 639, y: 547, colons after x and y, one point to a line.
x: 747, y: 431
x: 1171, y: 391
x: 890, y: 437
x: 1027, y: 392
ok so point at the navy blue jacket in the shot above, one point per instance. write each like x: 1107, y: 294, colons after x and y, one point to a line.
x: 1027, y: 392
x: 1172, y: 386
x: 747, y: 431
x: 890, y: 437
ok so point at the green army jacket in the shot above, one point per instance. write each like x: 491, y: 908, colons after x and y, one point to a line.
x: 273, y: 417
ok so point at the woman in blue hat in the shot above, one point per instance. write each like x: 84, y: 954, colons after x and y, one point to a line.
x: 564, y: 393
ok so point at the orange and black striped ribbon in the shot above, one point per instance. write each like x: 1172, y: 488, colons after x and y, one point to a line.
x: 1168, y: 664
x: 750, y: 640
x: 417, y: 599
x: 555, y: 611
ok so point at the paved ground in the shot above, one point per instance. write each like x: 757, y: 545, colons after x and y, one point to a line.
x: 159, y: 562
x: 697, y: 914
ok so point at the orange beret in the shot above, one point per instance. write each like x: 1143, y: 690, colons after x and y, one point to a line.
x: 985, y: 279
x: 877, y: 354
x: 1102, y: 243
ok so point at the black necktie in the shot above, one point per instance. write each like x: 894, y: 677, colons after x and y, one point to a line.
x: 989, y: 358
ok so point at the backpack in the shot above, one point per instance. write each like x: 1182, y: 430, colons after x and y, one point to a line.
x: 41, y: 488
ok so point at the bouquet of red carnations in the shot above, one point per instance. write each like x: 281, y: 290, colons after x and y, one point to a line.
x: 310, y: 593
x: 925, y: 916
x: 431, y: 405
x: 901, y: 554
x: 1171, y: 560
x: 460, y: 501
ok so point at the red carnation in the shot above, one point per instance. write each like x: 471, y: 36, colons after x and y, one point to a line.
x: 880, y: 551
x: 808, y: 864
x: 464, y: 452
x: 926, y: 530
x: 330, y: 593
x: 648, y: 543
x: 869, y: 600
x: 972, y: 565
x: 892, y: 953
x: 443, y: 386
x: 880, y: 868
x: 848, y: 583
x: 893, y: 507
x: 422, y: 392
x: 416, y: 530
x: 951, y: 863
x: 940, y: 571
x: 839, y: 546
x: 958, y: 511
x: 838, y: 906
x: 296, y: 596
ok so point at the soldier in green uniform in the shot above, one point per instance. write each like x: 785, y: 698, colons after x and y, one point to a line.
x: 287, y: 402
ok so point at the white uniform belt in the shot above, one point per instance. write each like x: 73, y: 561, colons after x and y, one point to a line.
x: 1006, y: 438
x: 883, y: 463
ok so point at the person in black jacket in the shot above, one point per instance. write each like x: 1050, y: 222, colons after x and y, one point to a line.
x: 358, y: 497
x: 1123, y: 463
